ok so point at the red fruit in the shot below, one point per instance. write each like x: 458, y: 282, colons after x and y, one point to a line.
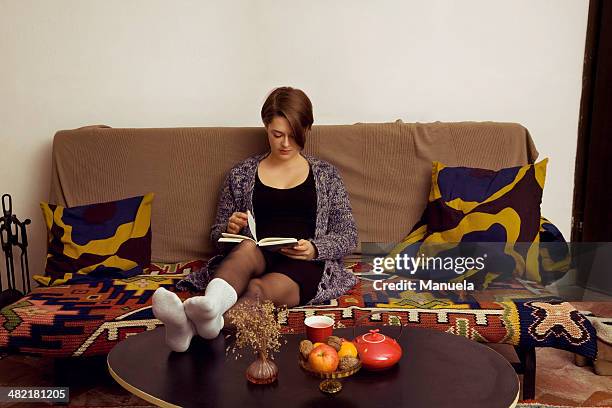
x: 323, y: 359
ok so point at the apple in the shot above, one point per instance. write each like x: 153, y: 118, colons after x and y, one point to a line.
x: 323, y: 359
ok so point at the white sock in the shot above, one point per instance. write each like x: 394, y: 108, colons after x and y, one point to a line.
x: 168, y: 308
x: 206, y: 312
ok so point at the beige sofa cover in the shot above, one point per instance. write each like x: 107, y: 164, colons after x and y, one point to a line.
x: 386, y: 168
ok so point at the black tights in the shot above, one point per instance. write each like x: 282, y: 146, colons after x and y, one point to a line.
x: 243, y: 268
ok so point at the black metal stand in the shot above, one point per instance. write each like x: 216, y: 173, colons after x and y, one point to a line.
x: 13, y: 233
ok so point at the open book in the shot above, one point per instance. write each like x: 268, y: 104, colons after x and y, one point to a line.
x: 271, y: 243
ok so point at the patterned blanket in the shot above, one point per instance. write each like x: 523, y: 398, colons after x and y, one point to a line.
x: 90, y: 318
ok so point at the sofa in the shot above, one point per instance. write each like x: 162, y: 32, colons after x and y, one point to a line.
x: 387, y: 171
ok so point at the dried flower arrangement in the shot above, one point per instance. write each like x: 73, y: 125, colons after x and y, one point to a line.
x: 257, y: 329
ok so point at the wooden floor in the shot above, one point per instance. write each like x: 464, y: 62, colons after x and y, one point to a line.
x: 89, y: 382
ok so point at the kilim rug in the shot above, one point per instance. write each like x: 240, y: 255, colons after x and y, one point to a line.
x: 88, y: 319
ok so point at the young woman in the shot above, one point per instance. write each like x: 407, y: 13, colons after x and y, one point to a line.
x: 290, y: 194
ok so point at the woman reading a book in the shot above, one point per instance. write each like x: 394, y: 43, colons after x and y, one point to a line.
x: 290, y: 194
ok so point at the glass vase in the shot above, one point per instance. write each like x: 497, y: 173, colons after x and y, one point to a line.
x: 262, y: 370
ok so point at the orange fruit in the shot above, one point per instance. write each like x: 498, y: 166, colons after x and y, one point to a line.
x: 347, y: 349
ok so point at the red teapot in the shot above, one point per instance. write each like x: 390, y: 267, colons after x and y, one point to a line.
x: 377, y: 351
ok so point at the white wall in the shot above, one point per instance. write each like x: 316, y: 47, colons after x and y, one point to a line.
x: 69, y: 63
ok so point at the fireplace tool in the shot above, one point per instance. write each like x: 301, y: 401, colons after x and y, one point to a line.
x: 13, y: 234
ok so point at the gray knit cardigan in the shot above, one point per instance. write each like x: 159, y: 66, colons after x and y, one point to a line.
x: 335, y: 231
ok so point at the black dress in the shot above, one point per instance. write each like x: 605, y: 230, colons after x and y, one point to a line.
x: 289, y: 212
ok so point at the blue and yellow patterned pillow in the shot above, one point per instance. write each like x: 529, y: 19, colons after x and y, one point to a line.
x: 478, y: 205
x: 498, y: 210
x: 553, y: 257
x: 97, y: 241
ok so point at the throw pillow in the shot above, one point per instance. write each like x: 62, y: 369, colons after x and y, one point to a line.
x: 478, y: 205
x: 553, y: 258
x: 97, y: 241
x: 495, y: 212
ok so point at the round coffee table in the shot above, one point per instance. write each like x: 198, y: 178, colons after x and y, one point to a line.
x: 436, y: 370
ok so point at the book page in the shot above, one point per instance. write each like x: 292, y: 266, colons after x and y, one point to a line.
x: 228, y: 235
x: 232, y: 240
x: 252, y: 224
x: 277, y: 240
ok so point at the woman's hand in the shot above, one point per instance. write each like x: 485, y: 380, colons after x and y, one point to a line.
x: 302, y: 250
x: 236, y: 222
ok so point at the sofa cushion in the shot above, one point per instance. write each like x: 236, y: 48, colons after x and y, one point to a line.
x: 90, y: 318
x: 478, y: 212
x: 97, y: 241
x: 553, y: 253
x: 480, y: 205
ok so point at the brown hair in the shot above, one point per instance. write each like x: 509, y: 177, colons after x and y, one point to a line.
x: 293, y: 105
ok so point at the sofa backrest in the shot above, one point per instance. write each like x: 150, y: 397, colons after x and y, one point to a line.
x: 386, y: 168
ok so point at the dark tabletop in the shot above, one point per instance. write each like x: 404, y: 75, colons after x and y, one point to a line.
x: 436, y: 370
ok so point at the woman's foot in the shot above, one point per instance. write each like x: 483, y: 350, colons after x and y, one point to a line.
x: 206, y: 312
x: 168, y: 308
x: 202, y: 308
x: 198, y: 310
